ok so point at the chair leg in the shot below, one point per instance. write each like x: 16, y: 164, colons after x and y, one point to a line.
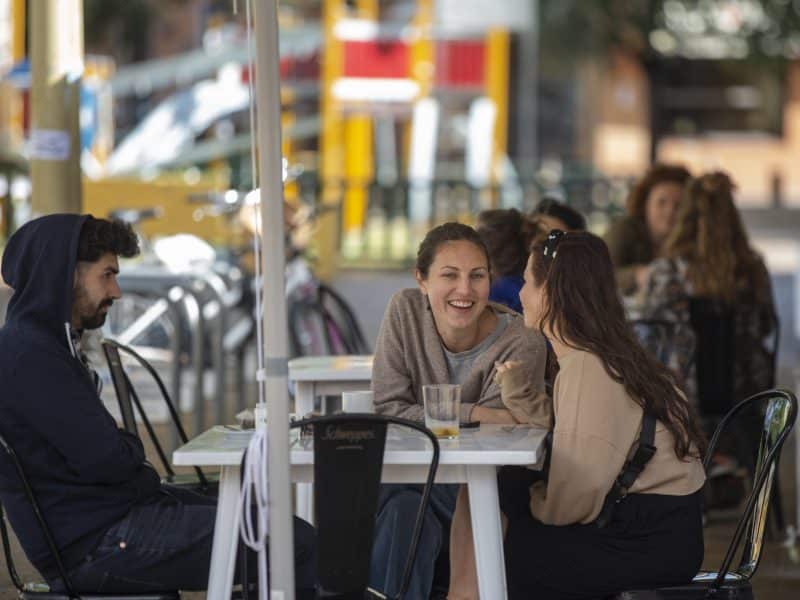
x: 776, y: 507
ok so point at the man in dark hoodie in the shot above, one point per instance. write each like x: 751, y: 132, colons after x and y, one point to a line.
x: 118, y: 528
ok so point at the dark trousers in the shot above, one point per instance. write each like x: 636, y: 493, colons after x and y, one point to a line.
x: 165, y: 544
x: 397, y: 512
x: 652, y: 540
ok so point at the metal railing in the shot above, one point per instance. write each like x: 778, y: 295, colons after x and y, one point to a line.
x: 193, y: 322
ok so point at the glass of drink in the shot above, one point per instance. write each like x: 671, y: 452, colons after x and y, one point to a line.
x: 442, y: 408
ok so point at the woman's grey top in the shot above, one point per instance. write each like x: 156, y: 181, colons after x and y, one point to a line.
x: 409, y: 354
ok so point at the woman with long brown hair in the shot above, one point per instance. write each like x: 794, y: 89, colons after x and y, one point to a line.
x: 709, y: 266
x: 576, y: 534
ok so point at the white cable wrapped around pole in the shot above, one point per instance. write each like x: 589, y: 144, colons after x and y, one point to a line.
x: 255, y: 493
x: 268, y: 106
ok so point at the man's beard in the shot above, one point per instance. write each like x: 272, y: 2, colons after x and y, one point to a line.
x: 94, y: 319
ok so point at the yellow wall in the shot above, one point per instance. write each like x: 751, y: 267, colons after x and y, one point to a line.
x: 178, y: 216
x: 614, y: 125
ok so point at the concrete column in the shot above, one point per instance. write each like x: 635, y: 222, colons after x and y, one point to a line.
x: 56, y: 42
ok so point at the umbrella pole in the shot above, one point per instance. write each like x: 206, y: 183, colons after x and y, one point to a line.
x: 270, y: 170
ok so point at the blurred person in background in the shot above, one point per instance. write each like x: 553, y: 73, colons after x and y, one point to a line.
x: 708, y: 261
x: 637, y: 239
x: 552, y: 214
x: 507, y: 235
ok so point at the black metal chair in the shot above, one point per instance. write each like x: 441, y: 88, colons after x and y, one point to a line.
x: 127, y: 398
x: 348, y: 461
x: 714, y: 324
x: 780, y: 412
x: 41, y: 591
x: 714, y: 327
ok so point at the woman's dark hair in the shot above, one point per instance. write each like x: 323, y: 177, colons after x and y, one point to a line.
x: 448, y: 232
x: 551, y: 207
x: 585, y: 312
x: 507, y: 235
x: 657, y: 174
x: 101, y: 236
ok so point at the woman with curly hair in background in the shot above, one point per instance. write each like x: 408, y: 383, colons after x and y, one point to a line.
x: 637, y: 239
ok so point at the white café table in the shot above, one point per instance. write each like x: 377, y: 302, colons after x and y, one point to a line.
x: 472, y: 459
x: 315, y: 376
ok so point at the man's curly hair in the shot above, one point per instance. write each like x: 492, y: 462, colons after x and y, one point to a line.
x: 100, y: 236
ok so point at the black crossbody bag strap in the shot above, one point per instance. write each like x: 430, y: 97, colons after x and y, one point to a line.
x: 630, y: 470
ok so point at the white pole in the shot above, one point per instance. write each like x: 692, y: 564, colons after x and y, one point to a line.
x: 270, y: 170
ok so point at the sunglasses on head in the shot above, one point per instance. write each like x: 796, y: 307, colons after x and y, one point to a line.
x: 551, y: 245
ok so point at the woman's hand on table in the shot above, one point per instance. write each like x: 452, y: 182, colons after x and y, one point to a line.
x: 499, y: 416
x: 527, y: 402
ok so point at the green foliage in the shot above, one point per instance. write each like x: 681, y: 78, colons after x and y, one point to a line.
x: 758, y: 30
x: 118, y: 27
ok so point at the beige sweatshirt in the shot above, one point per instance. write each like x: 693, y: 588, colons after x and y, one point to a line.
x: 409, y: 354
x: 597, y: 424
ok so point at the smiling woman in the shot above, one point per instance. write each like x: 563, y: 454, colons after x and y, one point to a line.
x: 447, y: 331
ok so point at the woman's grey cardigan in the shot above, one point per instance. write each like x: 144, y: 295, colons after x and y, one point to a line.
x: 409, y: 354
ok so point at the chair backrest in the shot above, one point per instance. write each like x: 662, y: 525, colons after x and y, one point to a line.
x: 715, y: 354
x: 779, y: 408
x: 39, y: 515
x: 348, y: 460
x: 128, y: 398
x: 121, y: 387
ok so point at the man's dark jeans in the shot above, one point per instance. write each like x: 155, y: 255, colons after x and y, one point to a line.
x: 165, y: 544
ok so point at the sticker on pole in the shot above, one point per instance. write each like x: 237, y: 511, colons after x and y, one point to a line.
x: 49, y: 144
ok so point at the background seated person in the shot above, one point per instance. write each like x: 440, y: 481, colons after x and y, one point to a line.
x: 551, y: 214
x: 446, y: 331
x: 507, y: 235
x: 554, y: 549
x: 118, y: 529
x: 637, y: 239
x: 708, y: 257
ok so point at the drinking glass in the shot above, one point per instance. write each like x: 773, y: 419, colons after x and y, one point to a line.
x: 442, y: 408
